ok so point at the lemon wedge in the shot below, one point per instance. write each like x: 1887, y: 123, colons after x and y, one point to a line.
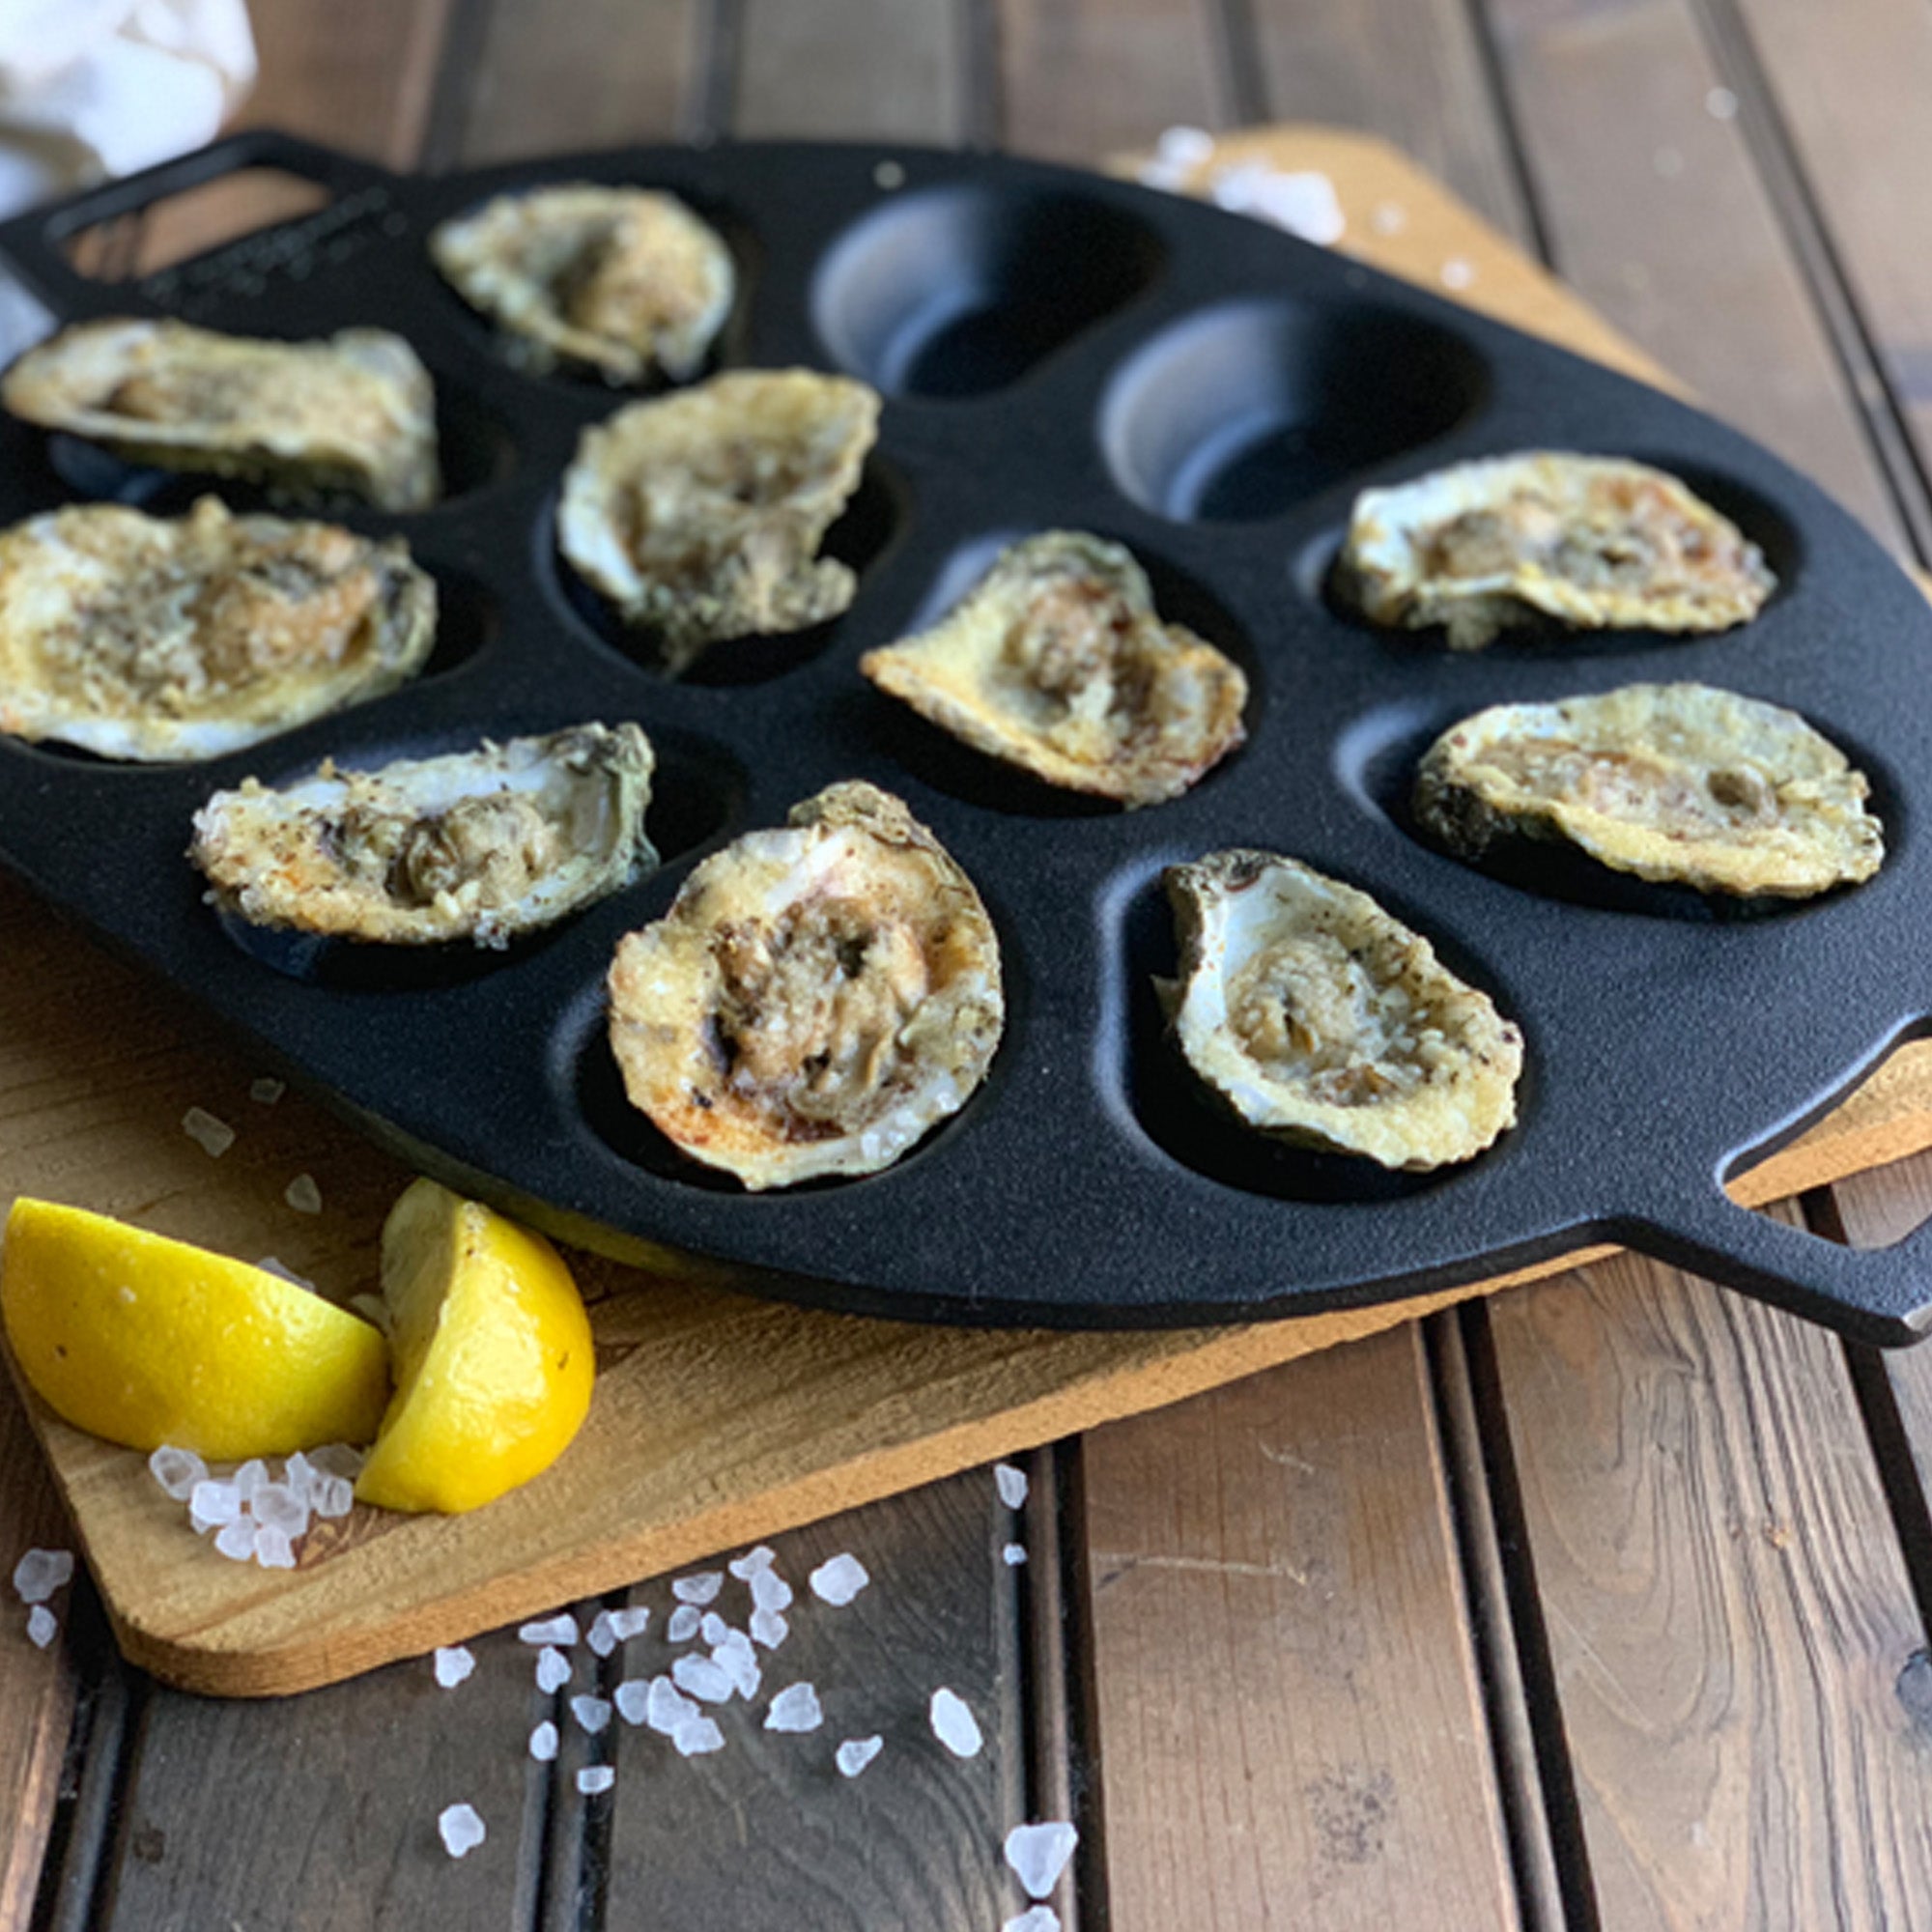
x: 146, y: 1340
x: 492, y: 1354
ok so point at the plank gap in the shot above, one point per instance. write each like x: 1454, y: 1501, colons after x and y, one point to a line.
x: 1086, y: 1797
x: 1242, y: 69
x: 1537, y: 232
x: 102, y: 1748
x: 721, y: 43
x: 452, y: 92
x: 983, y: 110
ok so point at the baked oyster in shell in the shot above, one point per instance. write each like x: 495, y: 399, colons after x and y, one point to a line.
x: 354, y: 413
x: 1596, y: 542
x: 698, y: 515
x: 626, y: 279
x: 815, y: 999
x: 1323, y: 1021
x: 1057, y: 662
x: 478, y: 845
x: 1678, y: 783
x: 143, y: 637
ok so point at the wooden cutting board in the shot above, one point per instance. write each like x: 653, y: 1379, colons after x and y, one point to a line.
x: 718, y: 1419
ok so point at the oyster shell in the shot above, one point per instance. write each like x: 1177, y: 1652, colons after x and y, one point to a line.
x: 1058, y: 663
x: 698, y: 515
x: 626, y: 279
x: 1678, y: 783
x: 355, y: 412
x: 478, y: 845
x: 1593, y: 541
x: 139, y: 638
x: 815, y: 999
x: 1321, y: 1020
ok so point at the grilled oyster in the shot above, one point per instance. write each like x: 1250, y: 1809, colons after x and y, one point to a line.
x: 478, y: 845
x: 1677, y: 782
x: 699, y: 514
x: 815, y: 999
x: 1326, y: 1023
x: 1593, y: 541
x: 625, y: 279
x: 355, y: 412
x: 1058, y: 663
x: 138, y: 637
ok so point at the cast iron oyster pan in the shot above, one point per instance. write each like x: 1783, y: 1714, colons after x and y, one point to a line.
x: 1057, y: 351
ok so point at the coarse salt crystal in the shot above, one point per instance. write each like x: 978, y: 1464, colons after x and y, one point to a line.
x: 698, y: 1737
x: 236, y: 1540
x: 702, y: 1588
x: 702, y: 1678
x: 602, y: 1638
x: 266, y: 1091
x: 684, y: 1623
x: 274, y: 1265
x: 769, y: 1628
x: 39, y: 1573
x: 796, y: 1708
x: 632, y: 1697
x: 214, y: 1137
x: 1721, y: 105
x: 592, y: 1712
x: 276, y: 1506
x: 838, y: 1579
x: 739, y: 1661
x: 41, y: 1626
x: 177, y: 1470
x: 1185, y: 147
x: 1038, y: 1855
x: 1012, y: 1483
x: 713, y: 1628
x: 560, y: 1629
x: 553, y: 1670
x: 747, y: 1565
x: 334, y: 1495
x: 592, y: 1778
x: 1457, y: 274
x: 1035, y: 1918
x: 337, y: 1458
x: 955, y: 1725
x: 462, y: 1830
x: 770, y: 1591
x: 1013, y: 1555
x: 855, y: 1753
x: 544, y: 1742
x: 625, y: 1624
x: 299, y: 1474
x: 1389, y: 218
x: 303, y: 1195
x: 666, y: 1709
x: 212, y: 1503
x: 272, y: 1549
x: 453, y: 1663
x: 250, y: 1478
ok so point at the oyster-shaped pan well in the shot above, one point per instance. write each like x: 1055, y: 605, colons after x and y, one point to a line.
x: 136, y: 637
x: 815, y: 999
x: 354, y: 413
x: 1057, y: 662
x: 1321, y: 1020
x: 480, y: 845
x: 1678, y: 783
x: 1594, y: 542
x: 626, y: 280
x: 699, y: 514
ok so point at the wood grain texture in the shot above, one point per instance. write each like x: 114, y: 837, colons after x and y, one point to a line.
x: 860, y: 70
x: 1725, y: 1604
x: 1289, y: 1723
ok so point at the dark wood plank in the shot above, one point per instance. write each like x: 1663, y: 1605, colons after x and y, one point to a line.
x: 858, y: 69
x: 1290, y: 1721
x: 1726, y: 1607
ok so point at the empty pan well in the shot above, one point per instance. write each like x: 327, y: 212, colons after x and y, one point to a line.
x: 961, y: 290
x: 1243, y: 412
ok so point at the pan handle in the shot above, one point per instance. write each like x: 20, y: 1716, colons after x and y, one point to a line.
x: 1879, y: 1296
x: 31, y: 244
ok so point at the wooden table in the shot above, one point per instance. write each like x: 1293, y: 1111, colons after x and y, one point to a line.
x: 1599, y: 1604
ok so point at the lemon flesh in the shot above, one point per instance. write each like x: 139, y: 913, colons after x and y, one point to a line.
x: 146, y: 1340
x: 492, y: 1354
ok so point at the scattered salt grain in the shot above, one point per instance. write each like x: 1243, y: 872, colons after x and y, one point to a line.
x: 211, y: 1136
x: 796, y: 1708
x: 702, y: 1678
x: 1389, y: 218
x: 276, y: 1506
x: 334, y: 1495
x: 1035, y: 1918
x: 889, y: 175
x: 837, y: 1580
x: 39, y: 1573
x: 236, y: 1540
x: 1038, y: 1855
x: 855, y: 1753
x: 769, y: 1628
x: 684, y: 1624
x: 41, y: 1626
x: 698, y: 1737
x: 632, y: 1698
x: 666, y: 1711
x: 1013, y: 1555
x: 553, y: 1670
x: 770, y: 1591
x: 1185, y: 147
x: 177, y: 1470
x: 274, y: 1265
x: 628, y: 1623
x: 1303, y: 202
x: 303, y: 1195
x: 544, y: 1742
x: 212, y: 1503
x: 453, y: 1663
x: 739, y: 1661
x: 602, y: 1638
x: 1457, y: 274
x: 250, y: 1478
x: 592, y: 1712
x: 1721, y: 105
x: 462, y: 1830
x: 955, y: 1725
x: 560, y: 1629
x: 272, y: 1549
x: 1013, y: 1484
x: 266, y: 1092
x: 595, y: 1777
x: 702, y: 1588
x: 713, y: 1628
x: 747, y: 1565
x: 1667, y: 162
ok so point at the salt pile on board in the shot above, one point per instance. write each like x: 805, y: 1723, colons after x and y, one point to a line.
x: 303, y: 1195
x: 699, y: 1589
x: 955, y: 1725
x: 560, y: 1629
x: 453, y: 1663
x: 1038, y: 1855
x: 839, y: 1580
x: 544, y: 1742
x: 595, y: 1777
x: 462, y: 1830
x: 1012, y: 1484
x: 1035, y: 1918
x: 592, y: 1712
x: 553, y: 1670
x: 211, y: 1136
x: 212, y: 1503
x: 1302, y: 201
x: 796, y: 1708
x: 277, y: 1506
x: 855, y: 1753
x: 39, y: 1573
x: 177, y: 1470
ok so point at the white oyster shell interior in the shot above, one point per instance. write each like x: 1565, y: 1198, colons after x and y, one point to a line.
x: 1057, y: 662
x: 478, y: 845
x: 136, y: 637
x: 1594, y: 542
x: 1318, y: 1018
x: 817, y: 998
